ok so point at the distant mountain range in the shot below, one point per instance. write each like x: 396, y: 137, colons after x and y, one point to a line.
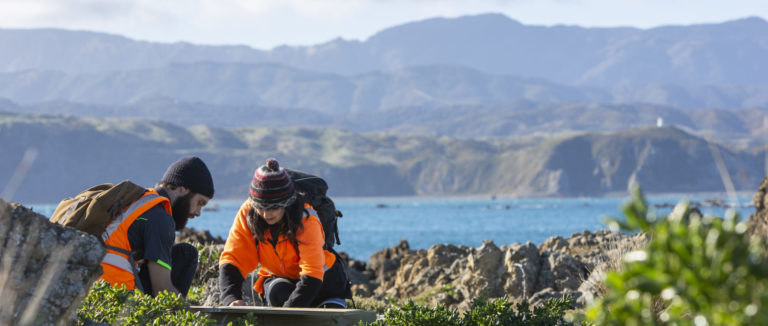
x: 730, y: 53
x: 76, y: 153
x: 278, y: 86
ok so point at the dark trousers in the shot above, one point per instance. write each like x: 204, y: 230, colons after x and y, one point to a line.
x: 183, y: 267
x: 334, y: 290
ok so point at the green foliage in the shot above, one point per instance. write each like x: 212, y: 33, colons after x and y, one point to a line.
x: 196, y: 295
x: 102, y: 304
x: 110, y: 305
x: 695, y: 270
x: 207, y: 264
x: 413, y: 314
x: 368, y: 303
x: 500, y: 312
x: 483, y: 312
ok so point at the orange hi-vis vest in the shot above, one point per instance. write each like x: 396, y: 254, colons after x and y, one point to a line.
x: 282, y: 260
x: 118, y: 264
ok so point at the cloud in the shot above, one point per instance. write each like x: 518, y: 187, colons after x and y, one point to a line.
x: 267, y: 23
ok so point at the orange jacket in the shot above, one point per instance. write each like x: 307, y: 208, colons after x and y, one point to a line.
x: 117, y: 265
x: 281, y: 260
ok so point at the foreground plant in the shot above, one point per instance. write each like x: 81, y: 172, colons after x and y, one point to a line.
x: 695, y: 270
x: 482, y: 312
x: 110, y: 305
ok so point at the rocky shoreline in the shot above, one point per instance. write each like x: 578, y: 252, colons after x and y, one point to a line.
x: 454, y: 275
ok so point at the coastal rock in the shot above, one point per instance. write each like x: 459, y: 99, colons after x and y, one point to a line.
x: 191, y: 235
x: 385, y: 263
x: 758, y: 222
x: 522, y: 263
x: 212, y: 297
x: 560, y: 271
x: 483, y: 272
x: 454, y: 275
x: 45, y: 269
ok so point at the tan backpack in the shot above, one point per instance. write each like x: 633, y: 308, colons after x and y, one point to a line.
x: 91, y: 210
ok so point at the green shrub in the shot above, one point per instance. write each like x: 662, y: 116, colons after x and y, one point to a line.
x: 207, y: 264
x: 482, y: 312
x: 695, y: 270
x: 102, y: 304
x: 110, y: 305
x: 500, y: 312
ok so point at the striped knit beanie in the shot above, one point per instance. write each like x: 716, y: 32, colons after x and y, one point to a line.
x: 271, y: 187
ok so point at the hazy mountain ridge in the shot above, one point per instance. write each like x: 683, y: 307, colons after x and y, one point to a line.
x: 278, y: 86
x: 729, y: 53
x: 76, y: 153
x: 90, y: 52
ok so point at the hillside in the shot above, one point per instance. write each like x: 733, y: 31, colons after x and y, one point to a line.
x: 76, y: 153
x: 740, y: 128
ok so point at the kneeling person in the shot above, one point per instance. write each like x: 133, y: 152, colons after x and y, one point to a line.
x: 277, y: 230
x: 146, y: 230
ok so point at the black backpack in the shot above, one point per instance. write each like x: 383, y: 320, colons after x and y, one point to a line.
x: 315, y: 189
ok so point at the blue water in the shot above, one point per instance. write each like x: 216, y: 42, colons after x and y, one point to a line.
x: 370, y: 225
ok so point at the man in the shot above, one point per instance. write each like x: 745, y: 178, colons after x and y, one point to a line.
x: 145, y: 232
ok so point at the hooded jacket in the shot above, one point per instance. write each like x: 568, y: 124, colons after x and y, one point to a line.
x: 282, y: 259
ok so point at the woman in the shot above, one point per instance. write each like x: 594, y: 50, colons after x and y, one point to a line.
x: 277, y: 230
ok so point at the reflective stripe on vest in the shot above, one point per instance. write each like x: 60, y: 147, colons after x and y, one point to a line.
x: 117, y: 261
x: 112, y: 227
x: 113, y: 259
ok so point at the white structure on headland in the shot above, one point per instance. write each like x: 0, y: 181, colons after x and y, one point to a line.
x: 659, y: 122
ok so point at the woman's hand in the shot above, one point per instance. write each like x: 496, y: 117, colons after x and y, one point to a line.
x: 237, y: 303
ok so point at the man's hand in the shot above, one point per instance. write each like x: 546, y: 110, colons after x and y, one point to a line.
x: 160, y: 278
x: 237, y: 303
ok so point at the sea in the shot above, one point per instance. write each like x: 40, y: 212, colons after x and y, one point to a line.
x: 371, y: 224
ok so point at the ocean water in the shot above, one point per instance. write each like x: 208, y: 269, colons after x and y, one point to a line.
x: 370, y: 224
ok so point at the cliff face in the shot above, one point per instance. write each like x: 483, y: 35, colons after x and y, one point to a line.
x: 659, y: 159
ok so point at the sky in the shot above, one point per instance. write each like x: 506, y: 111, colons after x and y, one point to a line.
x: 264, y: 24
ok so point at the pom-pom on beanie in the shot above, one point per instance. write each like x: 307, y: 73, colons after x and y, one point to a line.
x: 271, y: 187
x: 190, y: 173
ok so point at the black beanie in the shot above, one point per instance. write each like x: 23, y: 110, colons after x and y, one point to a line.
x: 190, y: 173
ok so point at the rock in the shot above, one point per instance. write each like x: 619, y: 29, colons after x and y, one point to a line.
x: 522, y: 263
x: 386, y: 262
x: 191, y: 235
x: 483, y: 275
x: 213, y: 296
x: 758, y: 222
x: 455, y: 275
x: 487, y: 259
x: 45, y: 269
x: 556, y: 243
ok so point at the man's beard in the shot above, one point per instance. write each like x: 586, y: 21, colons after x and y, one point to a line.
x: 181, y: 209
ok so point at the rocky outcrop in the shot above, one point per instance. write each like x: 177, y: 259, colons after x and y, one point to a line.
x: 191, y: 235
x: 758, y: 222
x: 454, y: 275
x: 45, y: 269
